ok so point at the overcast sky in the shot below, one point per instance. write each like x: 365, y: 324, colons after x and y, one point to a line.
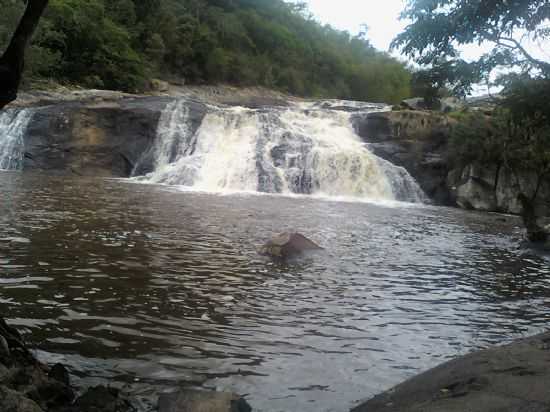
x: 382, y: 18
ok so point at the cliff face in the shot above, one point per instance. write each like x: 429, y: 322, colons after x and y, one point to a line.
x: 417, y: 140
x: 490, y: 188
x: 105, y: 138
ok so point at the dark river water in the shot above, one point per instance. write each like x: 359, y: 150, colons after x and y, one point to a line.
x: 150, y: 288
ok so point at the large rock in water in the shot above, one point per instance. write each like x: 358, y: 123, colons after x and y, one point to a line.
x: 202, y: 401
x: 288, y: 245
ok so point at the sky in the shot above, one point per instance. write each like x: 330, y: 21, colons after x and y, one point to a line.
x: 381, y: 16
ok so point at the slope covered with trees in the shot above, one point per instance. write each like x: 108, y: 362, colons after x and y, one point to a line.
x: 121, y: 44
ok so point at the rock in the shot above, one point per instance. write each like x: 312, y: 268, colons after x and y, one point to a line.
x: 536, y: 232
x: 60, y: 374
x: 415, y: 140
x: 102, y: 399
x: 4, y: 348
x: 415, y: 103
x: 491, y: 188
x: 112, y: 138
x: 159, y: 85
x: 202, y: 401
x: 508, y: 379
x: 288, y: 245
x: 451, y: 104
x: 475, y: 189
x: 12, y: 401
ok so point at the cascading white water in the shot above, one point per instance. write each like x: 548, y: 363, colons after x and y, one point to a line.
x: 13, y: 124
x: 308, y: 148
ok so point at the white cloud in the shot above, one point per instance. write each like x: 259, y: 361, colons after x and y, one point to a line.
x: 382, y: 17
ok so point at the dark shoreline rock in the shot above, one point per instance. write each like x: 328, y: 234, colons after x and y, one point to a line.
x: 510, y: 378
x: 26, y: 385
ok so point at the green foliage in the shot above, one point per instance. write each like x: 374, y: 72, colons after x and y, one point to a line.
x: 439, y: 27
x: 517, y: 135
x: 121, y: 43
x: 519, y: 143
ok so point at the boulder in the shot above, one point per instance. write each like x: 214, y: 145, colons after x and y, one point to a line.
x: 12, y: 401
x: 487, y: 187
x: 475, y: 188
x: 288, y: 245
x: 510, y: 378
x: 159, y: 85
x: 102, y: 399
x: 202, y: 401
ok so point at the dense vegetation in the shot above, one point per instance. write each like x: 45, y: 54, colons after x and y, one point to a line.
x: 121, y: 44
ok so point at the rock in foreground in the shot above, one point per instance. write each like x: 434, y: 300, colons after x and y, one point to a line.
x: 202, y: 401
x: 27, y: 385
x: 287, y: 245
x: 511, y: 378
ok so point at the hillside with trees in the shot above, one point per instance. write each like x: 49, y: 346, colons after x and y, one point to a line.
x: 122, y: 44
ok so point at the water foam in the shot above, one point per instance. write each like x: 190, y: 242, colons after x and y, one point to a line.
x: 13, y: 124
x: 308, y: 148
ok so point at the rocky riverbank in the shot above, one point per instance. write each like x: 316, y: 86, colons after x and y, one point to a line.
x: 27, y: 385
x: 507, y: 379
x: 510, y: 378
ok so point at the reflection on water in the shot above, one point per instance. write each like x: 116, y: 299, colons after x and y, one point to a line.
x: 146, y: 285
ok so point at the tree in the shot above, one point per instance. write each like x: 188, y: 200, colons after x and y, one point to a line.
x: 518, y: 134
x: 439, y: 27
x: 12, y: 61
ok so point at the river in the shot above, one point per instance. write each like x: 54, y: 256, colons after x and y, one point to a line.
x: 149, y: 287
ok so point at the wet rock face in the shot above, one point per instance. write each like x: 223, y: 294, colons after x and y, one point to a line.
x: 26, y: 385
x: 415, y: 140
x: 493, y: 189
x: 107, y: 138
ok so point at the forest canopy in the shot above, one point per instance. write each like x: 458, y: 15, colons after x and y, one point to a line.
x: 121, y: 44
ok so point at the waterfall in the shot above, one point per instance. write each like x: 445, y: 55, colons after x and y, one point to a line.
x: 307, y: 148
x: 13, y: 124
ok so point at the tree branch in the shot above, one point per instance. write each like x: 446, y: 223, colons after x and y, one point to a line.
x: 516, y: 45
x: 12, y: 61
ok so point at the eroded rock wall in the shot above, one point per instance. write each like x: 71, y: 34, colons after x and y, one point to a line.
x: 415, y: 140
x: 418, y: 141
x: 105, y: 138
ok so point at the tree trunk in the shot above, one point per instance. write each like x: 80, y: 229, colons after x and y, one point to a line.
x: 535, y: 232
x: 12, y: 61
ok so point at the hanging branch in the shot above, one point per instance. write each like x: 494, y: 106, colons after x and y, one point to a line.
x: 12, y: 61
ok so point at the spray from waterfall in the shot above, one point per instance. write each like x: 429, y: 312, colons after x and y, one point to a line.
x: 13, y: 124
x: 308, y: 148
